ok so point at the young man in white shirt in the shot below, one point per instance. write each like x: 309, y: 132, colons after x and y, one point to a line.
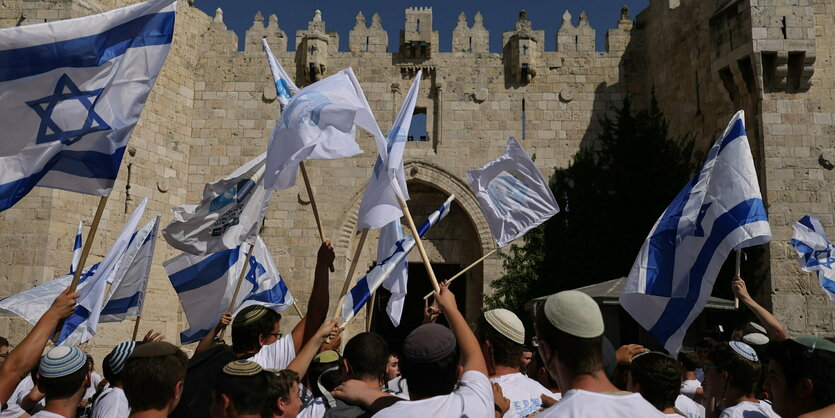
x: 691, y: 387
x: 569, y: 328
x: 64, y: 376
x: 656, y: 377
x: 112, y: 402
x: 801, y: 377
x: 731, y: 373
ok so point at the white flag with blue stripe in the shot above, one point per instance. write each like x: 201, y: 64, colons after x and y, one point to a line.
x: 205, y: 285
x: 131, y: 276
x: 359, y: 295
x: 719, y: 210
x: 285, y: 88
x: 815, y: 252
x: 71, y: 92
x: 76, y: 249
x: 33, y: 303
x: 379, y: 206
x: 398, y: 280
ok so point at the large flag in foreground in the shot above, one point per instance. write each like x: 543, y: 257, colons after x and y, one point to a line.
x: 71, y: 92
x: 285, y: 88
x: 379, y: 204
x: 231, y: 211
x: 512, y: 194
x: 815, y: 252
x: 131, y: 276
x: 398, y: 280
x: 719, y: 210
x: 357, y: 297
x: 205, y: 285
x: 33, y: 303
x: 76, y: 249
x: 318, y: 124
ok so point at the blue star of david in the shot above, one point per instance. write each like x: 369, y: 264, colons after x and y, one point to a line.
x: 65, y: 89
x: 700, y: 231
x: 399, y: 249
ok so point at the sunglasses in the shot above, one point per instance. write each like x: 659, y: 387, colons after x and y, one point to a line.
x: 709, y: 366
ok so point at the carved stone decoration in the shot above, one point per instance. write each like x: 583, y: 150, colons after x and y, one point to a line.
x: 480, y: 94
x: 567, y: 94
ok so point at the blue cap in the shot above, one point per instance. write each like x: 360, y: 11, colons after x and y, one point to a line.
x: 62, y: 361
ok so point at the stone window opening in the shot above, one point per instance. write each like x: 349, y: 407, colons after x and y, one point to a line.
x: 417, y: 130
x: 367, y: 41
x: 470, y: 49
x: 795, y: 72
x: 417, y: 29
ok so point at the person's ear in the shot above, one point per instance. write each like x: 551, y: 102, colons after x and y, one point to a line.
x: 282, y: 405
x: 805, y: 388
x: 545, y: 351
x: 178, y: 390
x: 346, y: 368
x: 89, y: 379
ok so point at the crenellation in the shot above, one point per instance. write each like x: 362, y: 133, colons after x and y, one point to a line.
x: 363, y: 39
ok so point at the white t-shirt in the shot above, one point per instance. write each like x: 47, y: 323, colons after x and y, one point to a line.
x: 95, y: 379
x: 45, y: 414
x: 278, y: 355
x: 112, y: 402
x: 313, y: 409
x: 691, y: 409
x: 582, y: 403
x: 523, y: 393
x: 13, y: 410
x: 398, y: 387
x: 23, y: 388
x: 472, y: 398
x: 688, y: 388
x: 749, y: 410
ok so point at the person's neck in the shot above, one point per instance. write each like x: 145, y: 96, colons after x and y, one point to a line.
x: 690, y: 375
x: 149, y: 413
x: 669, y: 410
x: 500, y: 370
x: 595, y: 382
x: 371, y: 382
x: 65, y: 407
x: 734, y: 397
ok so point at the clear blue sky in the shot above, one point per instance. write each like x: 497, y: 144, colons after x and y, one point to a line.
x: 499, y: 16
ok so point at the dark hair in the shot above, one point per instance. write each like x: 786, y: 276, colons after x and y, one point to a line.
x: 504, y: 351
x: 149, y: 382
x: 527, y: 349
x: 65, y: 386
x: 659, y: 377
x: 743, y: 374
x: 4, y: 342
x: 249, y: 394
x: 246, y: 337
x: 330, y: 380
x: 706, y: 343
x: 689, y: 360
x: 431, y: 379
x: 578, y: 355
x: 797, y: 362
x: 367, y: 355
x: 279, y: 385
x: 107, y: 371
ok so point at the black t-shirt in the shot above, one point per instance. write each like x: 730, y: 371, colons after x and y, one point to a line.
x: 197, y: 388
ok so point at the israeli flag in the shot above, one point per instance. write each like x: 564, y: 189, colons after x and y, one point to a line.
x: 71, y: 92
x: 815, y: 252
x: 719, y: 210
x: 76, y: 249
x: 512, y: 194
x: 358, y: 296
x: 131, y: 276
x: 379, y: 205
x: 398, y: 281
x: 205, y: 285
x: 33, y: 303
x: 285, y: 88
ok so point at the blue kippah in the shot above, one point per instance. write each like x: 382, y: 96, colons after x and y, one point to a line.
x: 62, y: 361
x: 119, y: 355
x: 744, y: 350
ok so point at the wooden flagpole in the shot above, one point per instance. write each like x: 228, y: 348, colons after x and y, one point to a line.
x: 370, y: 316
x: 738, y: 265
x: 466, y: 269
x: 418, y: 242
x: 299, y: 312
x: 88, y: 244
x: 350, y: 275
x: 136, y: 327
x: 238, y: 287
x: 313, y: 204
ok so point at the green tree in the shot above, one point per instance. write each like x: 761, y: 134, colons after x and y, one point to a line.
x: 610, y: 197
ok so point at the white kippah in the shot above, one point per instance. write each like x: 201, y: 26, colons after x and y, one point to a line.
x: 507, y: 324
x: 744, y: 350
x: 574, y: 313
x: 755, y: 338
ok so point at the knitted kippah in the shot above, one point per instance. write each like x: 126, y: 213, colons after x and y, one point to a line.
x: 815, y: 343
x: 154, y: 349
x: 574, y: 313
x: 119, y: 355
x: 327, y: 356
x: 507, y: 324
x: 744, y: 350
x: 249, y: 315
x: 755, y: 338
x: 242, y: 368
x: 428, y: 343
x: 62, y: 361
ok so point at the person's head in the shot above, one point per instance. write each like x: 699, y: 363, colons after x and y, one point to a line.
x: 153, y: 377
x: 241, y: 388
x: 801, y: 375
x: 392, y: 366
x: 538, y: 372
x: 4, y: 349
x: 688, y: 361
x: 64, y: 374
x: 656, y: 377
x: 283, y: 395
x: 114, y: 363
x: 430, y: 361
x: 703, y: 348
x: 501, y: 335
x: 365, y: 357
x: 569, y: 328
x: 318, y: 372
x: 525, y: 359
x: 254, y: 327
x: 733, y: 367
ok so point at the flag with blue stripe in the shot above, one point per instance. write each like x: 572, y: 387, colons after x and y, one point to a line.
x: 71, y: 92
x: 285, y: 88
x: 205, y: 285
x: 131, y: 276
x: 719, y: 210
x: 815, y: 252
x: 76, y: 249
x: 398, y: 280
x: 31, y: 304
x: 359, y: 295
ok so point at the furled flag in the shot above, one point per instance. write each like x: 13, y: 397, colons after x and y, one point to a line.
x: 85, y: 319
x: 131, y: 276
x: 318, y: 124
x: 512, y: 194
x: 285, y: 88
x: 398, y: 280
x: 379, y: 204
x: 357, y: 297
x: 76, y: 249
x: 815, y: 252
x: 205, y: 285
x: 71, y: 92
x: 230, y: 212
x: 719, y: 210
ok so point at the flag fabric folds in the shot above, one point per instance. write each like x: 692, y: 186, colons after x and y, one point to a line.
x: 379, y: 206
x: 815, y: 252
x: 33, y: 303
x: 131, y: 277
x: 205, y: 285
x: 71, y: 92
x: 285, y: 88
x: 512, y: 194
x: 720, y: 209
x: 76, y: 249
x: 398, y: 280
x: 231, y: 211
x: 357, y: 297
x: 318, y: 124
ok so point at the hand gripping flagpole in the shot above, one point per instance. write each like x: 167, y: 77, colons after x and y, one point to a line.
x: 468, y: 268
x: 418, y: 242
x: 238, y: 286
x: 738, y: 263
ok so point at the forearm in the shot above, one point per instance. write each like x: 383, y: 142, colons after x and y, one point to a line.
x: 317, y: 307
x: 207, y: 341
x: 31, y: 399
x: 26, y: 355
x: 471, y: 357
x: 305, y: 356
x: 775, y: 329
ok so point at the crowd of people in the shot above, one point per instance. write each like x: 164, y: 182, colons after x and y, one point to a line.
x: 569, y: 369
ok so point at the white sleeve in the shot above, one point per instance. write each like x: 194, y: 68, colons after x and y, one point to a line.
x: 277, y: 355
x: 474, y: 386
